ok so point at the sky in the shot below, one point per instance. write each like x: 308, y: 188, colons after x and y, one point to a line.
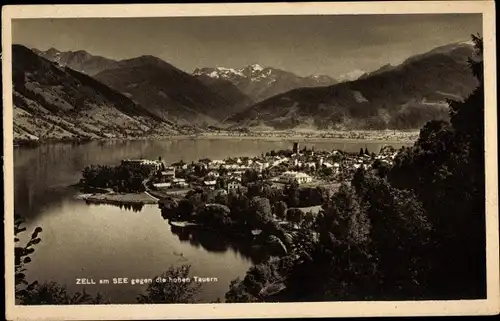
x: 334, y: 45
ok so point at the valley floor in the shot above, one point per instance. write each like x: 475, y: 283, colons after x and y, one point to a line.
x: 354, y: 135
x: 368, y: 135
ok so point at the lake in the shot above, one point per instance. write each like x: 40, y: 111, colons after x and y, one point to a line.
x: 105, y: 241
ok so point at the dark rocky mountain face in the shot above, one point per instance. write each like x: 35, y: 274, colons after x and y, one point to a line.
x: 260, y: 83
x: 229, y: 92
x: 396, y: 97
x: 79, y: 60
x: 168, y: 92
x: 223, y: 93
x: 54, y: 102
x: 382, y: 69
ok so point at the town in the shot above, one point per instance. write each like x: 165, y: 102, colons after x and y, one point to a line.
x: 144, y: 181
x: 273, y: 192
x: 244, y: 198
x: 306, y: 167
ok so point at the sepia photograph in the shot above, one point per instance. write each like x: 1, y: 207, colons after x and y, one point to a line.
x: 198, y: 158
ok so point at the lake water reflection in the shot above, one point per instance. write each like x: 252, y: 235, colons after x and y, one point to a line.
x: 102, y: 241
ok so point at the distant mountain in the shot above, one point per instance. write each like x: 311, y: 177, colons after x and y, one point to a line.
x: 260, y: 83
x: 54, y: 102
x: 351, y: 75
x: 168, y: 92
x: 399, y: 97
x: 79, y: 60
x: 382, y: 69
x: 226, y: 89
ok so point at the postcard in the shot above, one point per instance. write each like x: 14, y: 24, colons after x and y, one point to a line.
x: 199, y: 161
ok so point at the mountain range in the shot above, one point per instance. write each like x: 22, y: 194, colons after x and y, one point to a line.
x: 260, y: 83
x: 203, y: 98
x: 167, y: 91
x: 75, y: 94
x: 79, y: 60
x: 397, y: 97
x: 51, y: 102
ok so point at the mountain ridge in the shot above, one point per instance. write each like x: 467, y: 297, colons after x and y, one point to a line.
x: 400, y: 97
x: 259, y: 82
x: 79, y: 60
x: 256, y: 95
x: 103, y: 68
x: 51, y: 102
x: 167, y: 91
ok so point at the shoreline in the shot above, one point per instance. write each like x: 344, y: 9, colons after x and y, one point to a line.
x: 119, y: 198
x: 381, y: 136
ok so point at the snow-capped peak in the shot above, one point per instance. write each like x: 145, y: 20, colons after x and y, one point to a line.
x: 258, y: 73
x: 225, y: 69
x: 213, y: 74
x: 218, y: 72
x: 256, y: 67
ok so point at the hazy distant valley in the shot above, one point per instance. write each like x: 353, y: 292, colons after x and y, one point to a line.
x: 77, y: 95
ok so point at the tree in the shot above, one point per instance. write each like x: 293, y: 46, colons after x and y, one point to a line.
x: 215, y: 215
x: 168, y: 291
x: 361, y: 152
x: 381, y: 168
x: 222, y: 170
x: 342, y: 220
x: 261, y: 283
x: 280, y: 209
x: 445, y: 168
x: 22, y: 257
x: 276, y: 245
x: 308, y: 220
x: 52, y: 293
x: 220, y: 183
x: 326, y: 171
x: 292, y: 194
x: 221, y: 197
x: 169, y: 208
x: 255, y: 189
x: 185, y: 209
x: 239, y: 206
x: 250, y: 176
x: 238, y: 294
x: 400, y: 229
x: 294, y: 215
x: 340, y: 266
x: 260, y: 212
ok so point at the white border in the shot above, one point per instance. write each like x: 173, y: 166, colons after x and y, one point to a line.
x: 261, y: 310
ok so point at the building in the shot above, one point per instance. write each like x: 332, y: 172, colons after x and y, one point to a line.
x: 213, y: 174
x: 210, y: 183
x: 153, y: 165
x: 162, y: 185
x: 258, y: 166
x: 169, y: 172
x: 290, y: 176
x: 180, y: 165
x: 233, y: 185
x: 179, y: 182
x: 181, y: 185
x: 295, y: 148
